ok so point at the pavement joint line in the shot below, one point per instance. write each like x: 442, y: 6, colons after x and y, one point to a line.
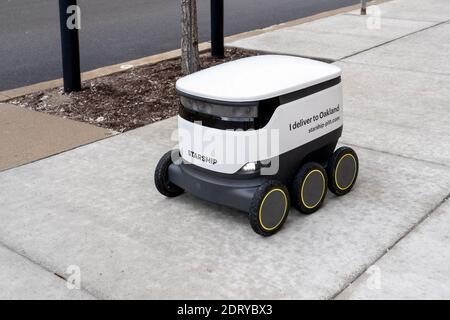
x: 392, y: 40
x: 447, y: 167
x: 413, y: 227
x: 114, y: 134
x: 395, y: 68
x: 36, y: 263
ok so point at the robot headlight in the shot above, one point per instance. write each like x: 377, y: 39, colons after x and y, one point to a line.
x: 254, y: 166
x: 251, y: 166
x: 222, y: 111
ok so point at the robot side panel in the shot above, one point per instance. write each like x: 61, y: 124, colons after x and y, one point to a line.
x: 292, y: 125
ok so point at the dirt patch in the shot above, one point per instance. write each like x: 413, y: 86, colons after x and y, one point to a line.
x: 125, y: 100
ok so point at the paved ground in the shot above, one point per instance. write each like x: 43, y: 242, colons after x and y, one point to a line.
x: 97, y: 207
x: 23, y: 279
x: 28, y: 136
x: 114, y: 31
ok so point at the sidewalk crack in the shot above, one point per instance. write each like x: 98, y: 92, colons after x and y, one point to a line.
x: 36, y: 263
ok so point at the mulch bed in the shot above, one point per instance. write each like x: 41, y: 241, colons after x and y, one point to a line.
x: 125, y: 100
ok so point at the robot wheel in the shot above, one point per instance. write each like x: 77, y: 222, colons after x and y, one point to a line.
x: 309, y: 188
x: 342, y: 171
x: 269, y: 208
x: 162, y: 183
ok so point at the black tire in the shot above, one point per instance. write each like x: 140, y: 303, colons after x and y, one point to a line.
x: 269, y: 208
x: 309, y: 188
x: 162, y: 183
x: 342, y: 170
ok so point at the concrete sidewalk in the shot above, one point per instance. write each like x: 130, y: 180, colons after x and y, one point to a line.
x: 96, y: 206
x: 22, y: 279
x: 28, y: 135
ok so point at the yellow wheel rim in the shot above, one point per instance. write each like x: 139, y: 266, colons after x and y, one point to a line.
x: 343, y: 188
x: 302, y: 194
x: 262, y: 204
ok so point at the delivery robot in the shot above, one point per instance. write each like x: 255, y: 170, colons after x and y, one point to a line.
x: 259, y: 134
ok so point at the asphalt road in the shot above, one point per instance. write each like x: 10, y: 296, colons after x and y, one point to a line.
x: 114, y: 31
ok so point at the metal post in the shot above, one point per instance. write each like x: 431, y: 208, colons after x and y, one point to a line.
x: 217, y: 33
x: 70, y: 48
x: 363, y: 7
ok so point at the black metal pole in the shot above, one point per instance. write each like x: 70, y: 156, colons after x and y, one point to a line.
x: 217, y: 34
x: 70, y: 48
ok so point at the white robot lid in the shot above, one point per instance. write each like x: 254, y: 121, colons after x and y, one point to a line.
x: 256, y: 78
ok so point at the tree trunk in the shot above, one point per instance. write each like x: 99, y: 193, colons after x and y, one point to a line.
x: 190, y: 61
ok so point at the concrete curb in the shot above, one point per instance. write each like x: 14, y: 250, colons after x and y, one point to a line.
x: 109, y: 70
